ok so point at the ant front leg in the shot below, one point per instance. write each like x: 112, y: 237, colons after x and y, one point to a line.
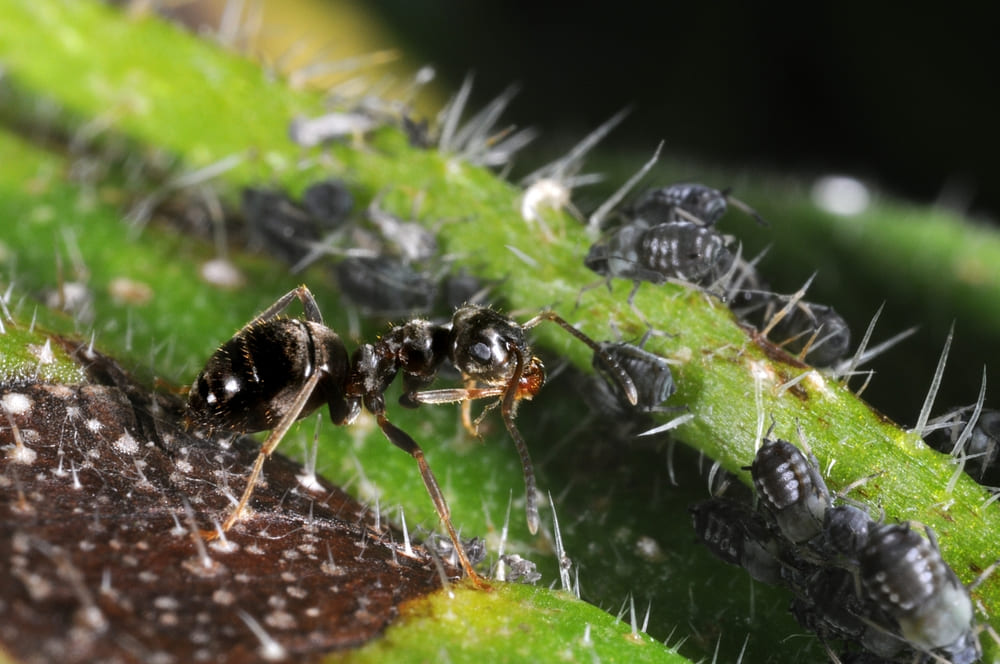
x: 463, y: 395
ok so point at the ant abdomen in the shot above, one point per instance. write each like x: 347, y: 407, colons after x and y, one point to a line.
x: 252, y: 380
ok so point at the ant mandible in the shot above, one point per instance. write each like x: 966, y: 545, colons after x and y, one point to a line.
x: 276, y: 370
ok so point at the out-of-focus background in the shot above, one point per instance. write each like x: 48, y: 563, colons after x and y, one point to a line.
x: 765, y: 99
x: 904, y: 97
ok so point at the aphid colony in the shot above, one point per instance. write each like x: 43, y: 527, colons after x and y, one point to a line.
x: 670, y: 234
x: 882, y: 589
x: 386, y: 268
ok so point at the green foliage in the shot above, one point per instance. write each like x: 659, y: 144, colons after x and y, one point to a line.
x: 100, y: 72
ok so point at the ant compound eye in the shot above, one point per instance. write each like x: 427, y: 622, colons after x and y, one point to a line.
x: 480, y: 352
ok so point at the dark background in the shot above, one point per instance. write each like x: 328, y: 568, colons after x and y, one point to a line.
x: 903, y: 96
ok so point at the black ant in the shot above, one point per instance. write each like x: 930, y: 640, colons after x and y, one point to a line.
x: 276, y: 370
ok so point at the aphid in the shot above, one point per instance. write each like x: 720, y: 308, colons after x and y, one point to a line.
x: 791, y: 489
x: 983, y: 444
x: 328, y: 202
x: 687, y: 202
x: 845, y: 531
x: 816, y: 329
x: 905, y: 575
x: 385, y: 286
x: 828, y: 604
x: 278, y: 225
x: 738, y: 535
x: 461, y: 288
x: 414, y: 242
x: 277, y: 370
x: 649, y: 372
x: 685, y: 250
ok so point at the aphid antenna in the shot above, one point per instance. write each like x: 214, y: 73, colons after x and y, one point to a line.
x: 793, y: 301
x: 959, y: 450
x: 925, y: 410
x: 564, y: 168
x: 598, y: 216
x: 743, y: 207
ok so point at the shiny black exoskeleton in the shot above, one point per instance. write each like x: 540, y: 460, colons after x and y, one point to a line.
x: 815, y: 328
x: 682, y: 250
x: 905, y: 575
x: 650, y: 373
x: 385, y: 286
x: 791, y: 489
x: 687, y: 202
x: 276, y: 370
x: 286, y: 230
x: 845, y: 532
x: 982, y: 447
x: 738, y: 535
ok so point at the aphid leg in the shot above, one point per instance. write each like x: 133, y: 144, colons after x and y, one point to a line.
x: 402, y: 440
x: 606, y: 281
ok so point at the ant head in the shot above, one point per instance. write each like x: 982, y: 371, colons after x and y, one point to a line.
x: 487, y: 345
x: 532, y: 379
